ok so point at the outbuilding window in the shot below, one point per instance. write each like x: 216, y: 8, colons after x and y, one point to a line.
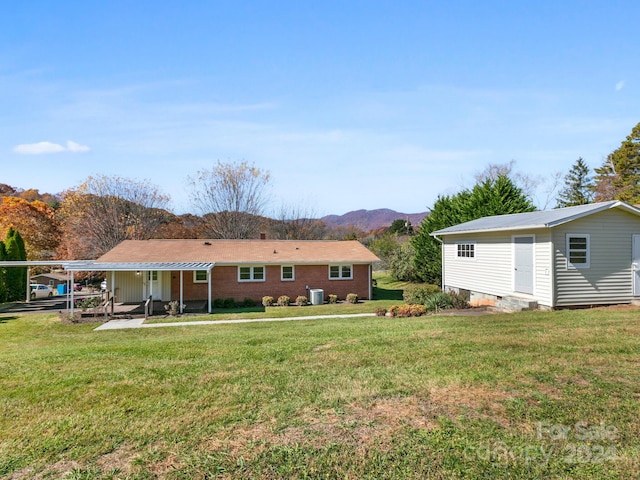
x: 254, y: 273
x: 466, y: 250
x: 578, y: 254
x: 340, y: 272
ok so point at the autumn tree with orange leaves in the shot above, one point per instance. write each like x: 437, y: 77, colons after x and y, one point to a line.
x: 37, y: 223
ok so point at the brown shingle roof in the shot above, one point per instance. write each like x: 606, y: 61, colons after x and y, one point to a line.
x: 235, y: 252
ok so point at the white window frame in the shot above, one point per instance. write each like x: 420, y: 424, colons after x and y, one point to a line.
x: 341, y: 275
x: 587, y: 250
x: 293, y: 273
x: 195, y: 276
x: 252, y: 273
x: 470, y: 249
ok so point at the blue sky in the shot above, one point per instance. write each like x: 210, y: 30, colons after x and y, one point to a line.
x: 349, y: 104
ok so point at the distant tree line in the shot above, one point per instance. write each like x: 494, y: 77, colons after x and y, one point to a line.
x: 231, y: 201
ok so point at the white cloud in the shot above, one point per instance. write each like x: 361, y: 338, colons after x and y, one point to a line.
x: 76, y: 147
x: 43, y: 148
x: 619, y: 85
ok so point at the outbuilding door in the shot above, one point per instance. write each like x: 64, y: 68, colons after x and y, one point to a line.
x: 635, y: 264
x: 523, y: 264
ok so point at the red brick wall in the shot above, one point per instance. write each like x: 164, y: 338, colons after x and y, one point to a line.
x: 225, y: 284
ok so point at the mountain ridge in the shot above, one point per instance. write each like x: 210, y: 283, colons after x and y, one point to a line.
x: 372, y: 219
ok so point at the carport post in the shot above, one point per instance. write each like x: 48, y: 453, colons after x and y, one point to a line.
x: 209, y: 292
x: 28, y: 284
x: 181, y: 289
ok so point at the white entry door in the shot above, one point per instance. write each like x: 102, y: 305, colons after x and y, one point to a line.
x: 523, y: 264
x: 152, y: 285
x: 635, y: 264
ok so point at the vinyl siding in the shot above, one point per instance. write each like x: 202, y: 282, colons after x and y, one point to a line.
x: 491, y: 270
x: 608, y: 279
x: 129, y: 286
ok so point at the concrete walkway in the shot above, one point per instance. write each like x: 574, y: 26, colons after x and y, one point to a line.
x: 139, y: 322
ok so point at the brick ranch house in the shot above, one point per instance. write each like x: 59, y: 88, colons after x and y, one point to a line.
x: 190, y: 270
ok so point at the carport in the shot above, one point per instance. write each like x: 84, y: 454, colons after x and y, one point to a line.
x: 73, y: 266
x: 143, y: 267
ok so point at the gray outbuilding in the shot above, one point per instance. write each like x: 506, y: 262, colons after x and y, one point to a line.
x: 574, y: 256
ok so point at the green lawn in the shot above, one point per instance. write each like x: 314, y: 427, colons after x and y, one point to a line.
x: 530, y: 395
x: 387, y: 292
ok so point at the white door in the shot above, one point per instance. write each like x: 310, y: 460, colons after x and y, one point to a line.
x: 152, y: 285
x: 635, y: 264
x: 523, y: 264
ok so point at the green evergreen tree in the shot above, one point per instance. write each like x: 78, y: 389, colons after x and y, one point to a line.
x: 578, y: 186
x: 16, y: 277
x: 3, y: 274
x: 619, y: 176
x: 492, y: 196
x: 401, y: 226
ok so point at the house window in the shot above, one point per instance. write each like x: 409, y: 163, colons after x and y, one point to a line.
x: 287, y: 273
x: 466, y: 250
x: 200, y: 276
x: 340, y: 272
x: 578, y: 255
x: 251, y: 274
x: 152, y: 275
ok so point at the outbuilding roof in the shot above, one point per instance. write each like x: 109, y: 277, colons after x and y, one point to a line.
x: 533, y: 220
x: 234, y: 252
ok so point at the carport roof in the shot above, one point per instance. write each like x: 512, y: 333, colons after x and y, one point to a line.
x: 139, y: 266
x: 92, y: 266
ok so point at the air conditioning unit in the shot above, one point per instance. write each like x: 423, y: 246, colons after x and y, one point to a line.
x: 317, y: 296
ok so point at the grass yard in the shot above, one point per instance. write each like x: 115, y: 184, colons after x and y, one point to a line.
x: 529, y: 395
x: 388, y: 292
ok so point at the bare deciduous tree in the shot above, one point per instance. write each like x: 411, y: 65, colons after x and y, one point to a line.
x: 542, y: 190
x: 297, y: 222
x: 232, y: 198
x: 103, y: 211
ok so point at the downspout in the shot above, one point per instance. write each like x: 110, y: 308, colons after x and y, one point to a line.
x: 441, y: 258
x: 370, y: 281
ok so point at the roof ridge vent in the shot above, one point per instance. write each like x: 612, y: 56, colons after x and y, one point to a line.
x: 207, y: 243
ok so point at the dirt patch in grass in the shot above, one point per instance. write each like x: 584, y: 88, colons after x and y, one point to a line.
x: 366, y: 425
x: 330, y: 345
x: 120, y: 459
x: 472, y: 400
x: 358, y: 425
x: 57, y: 470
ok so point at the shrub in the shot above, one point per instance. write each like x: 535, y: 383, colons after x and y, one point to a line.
x: 459, y: 301
x: 333, y: 298
x: 352, y: 298
x: 229, y: 303
x: 249, y: 302
x: 88, y: 302
x: 173, y: 307
x: 218, y: 303
x: 302, y: 300
x: 439, y: 301
x: 419, y: 293
x: 381, y: 312
x: 267, y: 301
x: 284, y: 301
x: 407, y: 310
